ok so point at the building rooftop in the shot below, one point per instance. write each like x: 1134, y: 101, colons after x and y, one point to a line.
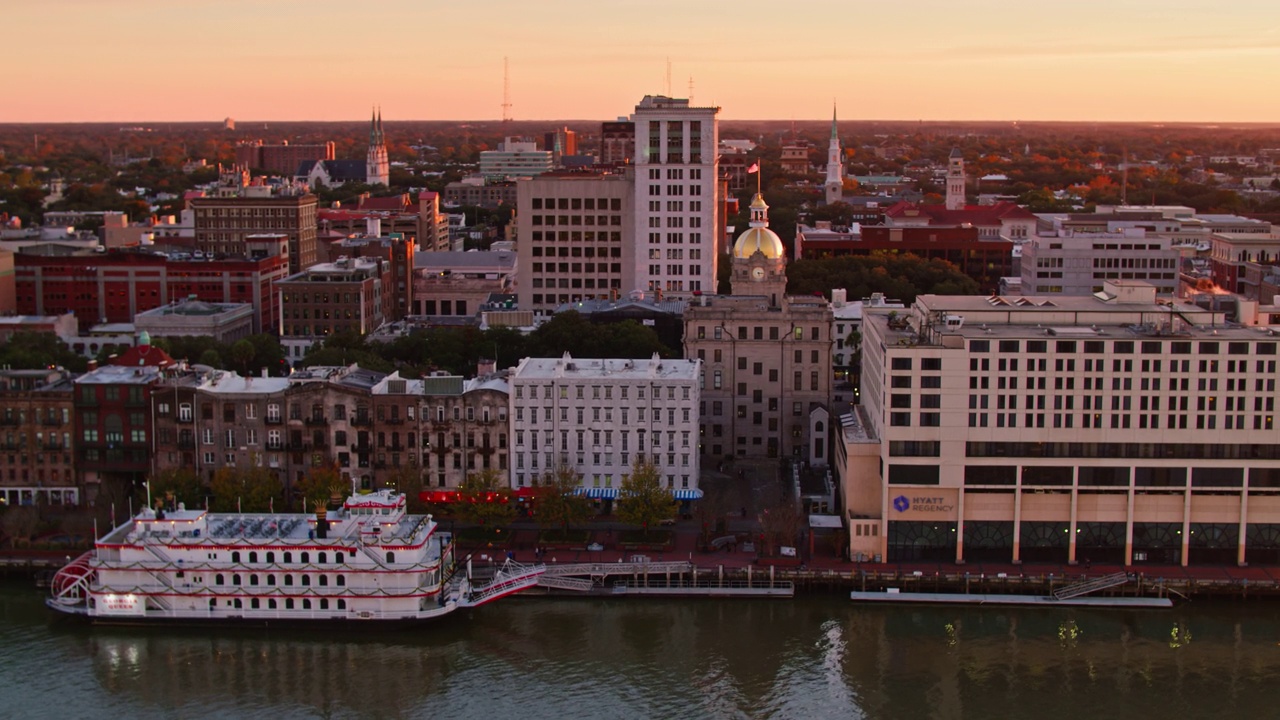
x: 231, y: 383
x: 571, y: 368
x: 120, y: 375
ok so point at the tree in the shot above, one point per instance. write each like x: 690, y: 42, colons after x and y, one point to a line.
x: 182, y: 482
x: 242, y: 353
x: 319, y: 485
x: 32, y: 350
x: 408, y: 480
x: 20, y: 523
x: 484, y: 499
x: 252, y: 489
x: 559, y: 503
x: 211, y: 358
x: 642, y: 500
x: 781, y: 525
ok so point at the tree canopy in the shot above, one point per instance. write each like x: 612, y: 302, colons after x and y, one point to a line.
x: 559, y: 504
x: 900, y: 277
x: 642, y: 500
x: 33, y: 350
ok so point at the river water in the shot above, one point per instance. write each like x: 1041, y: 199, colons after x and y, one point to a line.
x: 811, y: 657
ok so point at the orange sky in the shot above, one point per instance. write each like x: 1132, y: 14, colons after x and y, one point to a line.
x: 146, y: 60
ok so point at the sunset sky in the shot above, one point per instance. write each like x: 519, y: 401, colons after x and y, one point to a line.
x: 203, y: 60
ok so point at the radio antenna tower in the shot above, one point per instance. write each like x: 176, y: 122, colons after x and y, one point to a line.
x: 691, y: 90
x: 506, y: 91
x: 668, y: 77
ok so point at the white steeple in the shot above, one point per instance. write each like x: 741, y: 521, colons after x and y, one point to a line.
x: 835, y: 164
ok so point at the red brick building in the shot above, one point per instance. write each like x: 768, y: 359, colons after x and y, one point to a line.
x: 115, y: 286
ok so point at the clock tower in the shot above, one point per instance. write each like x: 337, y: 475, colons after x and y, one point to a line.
x: 759, y: 261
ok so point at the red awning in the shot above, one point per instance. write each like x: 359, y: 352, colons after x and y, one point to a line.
x: 531, y: 491
x: 439, y: 496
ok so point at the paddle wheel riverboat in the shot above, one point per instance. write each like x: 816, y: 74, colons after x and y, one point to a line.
x: 368, y: 561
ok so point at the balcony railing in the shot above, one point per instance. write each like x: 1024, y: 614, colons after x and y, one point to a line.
x: 317, y: 421
x: 364, y: 420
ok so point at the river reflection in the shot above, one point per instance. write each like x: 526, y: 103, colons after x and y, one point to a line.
x: 633, y: 658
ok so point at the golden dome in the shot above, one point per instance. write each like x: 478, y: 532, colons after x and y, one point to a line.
x: 758, y: 238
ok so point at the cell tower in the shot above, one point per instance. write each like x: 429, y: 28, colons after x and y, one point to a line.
x: 506, y: 91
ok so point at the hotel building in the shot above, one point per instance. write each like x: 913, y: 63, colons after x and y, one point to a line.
x: 1109, y: 428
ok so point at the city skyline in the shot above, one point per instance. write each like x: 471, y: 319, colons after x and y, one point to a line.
x: 1125, y: 60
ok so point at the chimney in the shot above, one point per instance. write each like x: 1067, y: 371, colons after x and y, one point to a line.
x: 93, y: 365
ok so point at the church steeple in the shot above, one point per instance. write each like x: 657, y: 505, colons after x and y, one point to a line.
x: 834, y: 184
x: 377, y: 168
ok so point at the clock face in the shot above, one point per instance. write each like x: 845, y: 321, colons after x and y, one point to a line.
x: 757, y: 273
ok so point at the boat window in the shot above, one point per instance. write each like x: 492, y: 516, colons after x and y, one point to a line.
x: 235, y: 579
x: 213, y: 603
x: 306, y: 580
x: 342, y: 580
x: 324, y: 558
x: 218, y: 579
x: 271, y: 579
x: 306, y: 604
x: 253, y: 579
x: 239, y: 604
x: 391, y: 557
x: 271, y: 604
x: 306, y: 558
x: 288, y: 557
x: 288, y: 579
x: 288, y: 604
x: 253, y: 557
x: 271, y: 557
x: 324, y: 580
x: 342, y: 604
x: 235, y: 556
x: 254, y: 603
x: 324, y: 603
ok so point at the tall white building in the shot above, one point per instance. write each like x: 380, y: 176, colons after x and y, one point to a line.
x: 600, y: 417
x: 677, y: 215
x: 1114, y: 428
x: 515, y: 158
x: 1067, y: 263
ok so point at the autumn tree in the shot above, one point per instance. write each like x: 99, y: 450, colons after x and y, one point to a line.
x: 320, y: 484
x: 252, y: 489
x: 559, y: 503
x: 183, y: 482
x: 642, y: 500
x: 485, y: 499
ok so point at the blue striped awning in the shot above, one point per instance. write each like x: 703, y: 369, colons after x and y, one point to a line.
x: 694, y: 494
x: 598, y: 492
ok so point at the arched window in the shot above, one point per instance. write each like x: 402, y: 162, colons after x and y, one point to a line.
x: 324, y: 603
x: 253, y: 579
x: 271, y: 557
x: 288, y: 557
x: 254, y: 604
x: 288, y: 579
x: 818, y: 426
x: 239, y: 604
x: 324, y: 580
x: 253, y: 556
x: 306, y: 580
x: 306, y: 558
x: 306, y: 604
x: 324, y: 558
x: 235, y: 556
x: 235, y: 579
x: 219, y: 579
x: 342, y: 580
x: 271, y: 579
x: 342, y: 604
x: 271, y: 604
x: 391, y: 557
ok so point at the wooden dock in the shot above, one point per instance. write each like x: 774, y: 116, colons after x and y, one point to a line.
x: 926, y: 598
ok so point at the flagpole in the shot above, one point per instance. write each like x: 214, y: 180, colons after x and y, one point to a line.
x: 759, y: 172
